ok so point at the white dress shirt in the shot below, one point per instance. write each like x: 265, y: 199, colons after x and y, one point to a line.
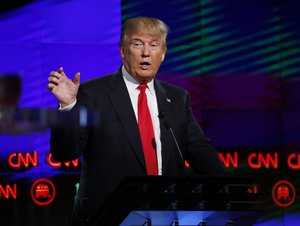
x: 132, y: 87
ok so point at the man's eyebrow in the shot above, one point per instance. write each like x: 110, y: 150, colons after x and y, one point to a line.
x: 138, y: 39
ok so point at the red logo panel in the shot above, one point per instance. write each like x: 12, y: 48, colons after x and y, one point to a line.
x: 43, y: 192
x: 283, y: 193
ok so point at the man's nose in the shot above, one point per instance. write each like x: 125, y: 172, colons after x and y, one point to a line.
x: 145, y: 51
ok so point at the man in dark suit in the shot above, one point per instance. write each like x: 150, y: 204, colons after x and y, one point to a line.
x: 125, y: 143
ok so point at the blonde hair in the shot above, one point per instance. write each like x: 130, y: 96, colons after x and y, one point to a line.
x: 152, y: 25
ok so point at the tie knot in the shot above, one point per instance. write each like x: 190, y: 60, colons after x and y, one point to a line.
x: 142, y: 87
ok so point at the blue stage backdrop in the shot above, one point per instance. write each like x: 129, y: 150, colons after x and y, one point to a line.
x: 238, y: 59
x: 35, y: 38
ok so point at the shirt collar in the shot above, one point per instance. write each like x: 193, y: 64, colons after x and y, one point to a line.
x: 132, y: 84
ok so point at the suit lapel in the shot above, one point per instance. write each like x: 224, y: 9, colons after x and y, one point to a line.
x: 120, y: 99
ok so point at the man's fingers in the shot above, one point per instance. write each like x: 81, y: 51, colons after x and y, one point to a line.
x: 51, y: 86
x: 60, y: 70
x: 76, y: 79
x: 53, y: 80
x: 55, y: 74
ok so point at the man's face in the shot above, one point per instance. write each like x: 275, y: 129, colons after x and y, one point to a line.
x: 142, y: 55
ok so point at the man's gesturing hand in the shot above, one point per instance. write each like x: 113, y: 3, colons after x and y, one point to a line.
x: 63, y: 88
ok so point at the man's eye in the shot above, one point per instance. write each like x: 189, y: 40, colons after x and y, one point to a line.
x: 137, y: 44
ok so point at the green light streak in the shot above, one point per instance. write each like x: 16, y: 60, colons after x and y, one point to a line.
x: 201, y: 42
x: 187, y: 65
x: 289, y: 62
x: 201, y: 13
x: 206, y: 2
x: 130, y: 5
x: 211, y: 40
x: 191, y: 54
x: 196, y: 34
x: 236, y: 42
x: 290, y: 43
x: 274, y: 58
x: 192, y: 6
x: 198, y: 24
x: 129, y: 15
x: 288, y: 72
x: 291, y: 52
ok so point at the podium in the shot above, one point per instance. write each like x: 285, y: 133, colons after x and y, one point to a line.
x: 190, y: 200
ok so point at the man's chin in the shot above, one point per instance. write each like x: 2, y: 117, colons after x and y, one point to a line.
x: 144, y: 78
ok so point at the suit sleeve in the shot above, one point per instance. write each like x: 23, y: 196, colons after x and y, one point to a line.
x: 67, y: 142
x: 201, y: 153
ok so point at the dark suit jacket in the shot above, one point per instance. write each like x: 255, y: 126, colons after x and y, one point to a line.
x: 113, y: 150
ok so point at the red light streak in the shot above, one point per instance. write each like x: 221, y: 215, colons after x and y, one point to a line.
x: 17, y: 160
x: 294, y: 161
x: 229, y: 160
x: 8, y: 191
x: 54, y: 164
x: 263, y: 160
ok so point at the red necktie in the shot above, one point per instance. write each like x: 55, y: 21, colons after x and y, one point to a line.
x: 147, y: 132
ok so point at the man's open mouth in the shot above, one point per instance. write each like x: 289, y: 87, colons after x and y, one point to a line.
x: 145, y: 65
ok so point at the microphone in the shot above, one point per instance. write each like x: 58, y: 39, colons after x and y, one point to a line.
x: 168, y: 127
x: 161, y: 115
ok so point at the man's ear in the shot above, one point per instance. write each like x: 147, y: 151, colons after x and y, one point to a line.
x: 122, y: 52
x: 163, y: 56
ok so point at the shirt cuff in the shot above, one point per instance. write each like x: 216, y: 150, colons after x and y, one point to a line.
x: 68, y: 107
